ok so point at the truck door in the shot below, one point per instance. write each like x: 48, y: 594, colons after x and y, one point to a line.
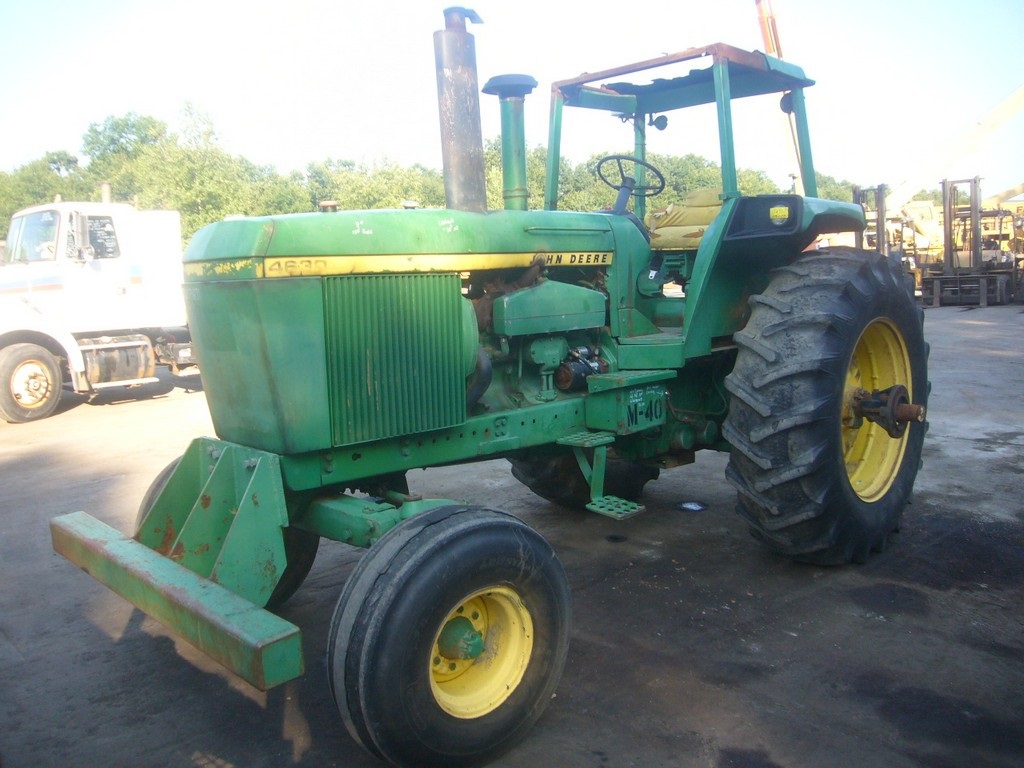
x: 98, y: 280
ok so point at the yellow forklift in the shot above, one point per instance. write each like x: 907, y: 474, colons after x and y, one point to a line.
x: 979, y: 266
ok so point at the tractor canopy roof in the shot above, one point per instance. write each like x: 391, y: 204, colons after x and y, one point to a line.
x: 721, y: 73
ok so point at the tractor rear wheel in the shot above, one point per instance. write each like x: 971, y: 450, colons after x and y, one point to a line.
x: 816, y: 480
x: 559, y: 480
x: 449, y: 638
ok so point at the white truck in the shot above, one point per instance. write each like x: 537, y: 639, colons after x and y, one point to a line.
x: 90, y: 297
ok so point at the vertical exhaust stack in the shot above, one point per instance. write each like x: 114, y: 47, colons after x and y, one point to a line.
x: 458, y: 100
x: 511, y: 91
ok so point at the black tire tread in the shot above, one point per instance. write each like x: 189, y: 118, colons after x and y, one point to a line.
x: 783, y: 411
x: 378, y: 581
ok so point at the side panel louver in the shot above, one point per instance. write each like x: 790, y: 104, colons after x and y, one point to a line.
x: 394, y: 355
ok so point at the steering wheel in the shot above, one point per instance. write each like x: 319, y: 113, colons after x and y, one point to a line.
x: 644, y: 190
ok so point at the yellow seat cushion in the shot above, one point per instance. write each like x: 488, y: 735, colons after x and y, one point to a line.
x: 681, y: 225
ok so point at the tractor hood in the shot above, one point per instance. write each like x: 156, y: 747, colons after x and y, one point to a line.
x: 397, y: 241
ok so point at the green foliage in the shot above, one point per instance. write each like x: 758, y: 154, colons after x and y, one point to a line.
x: 54, y: 175
x: 322, y: 179
x: 536, y: 162
x: 206, y: 184
x: 114, y: 144
x: 580, y: 189
x: 756, y: 182
x: 123, y: 137
x: 833, y: 189
x: 684, y: 175
x: 64, y: 164
x: 152, y: 168
x: 386, y: 185
x: 932, y: 195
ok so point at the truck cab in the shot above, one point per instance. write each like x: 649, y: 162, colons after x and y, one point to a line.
x: 90, y: 294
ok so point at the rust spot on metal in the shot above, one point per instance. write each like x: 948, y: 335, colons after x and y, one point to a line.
x: 270, y: 571
x: 890, y: 409
x: 908, y: 412
x: 178, y: 552
x: 202, y: 548
x: 168, y: 538
x: 205, y: 500
x: 255, y: 500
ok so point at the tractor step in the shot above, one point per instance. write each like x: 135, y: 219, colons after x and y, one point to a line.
x: 587, y: 439
x: 613, y: 506
x: 261, y: 648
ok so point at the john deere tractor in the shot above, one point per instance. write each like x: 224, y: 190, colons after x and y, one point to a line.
x: 592, y: 350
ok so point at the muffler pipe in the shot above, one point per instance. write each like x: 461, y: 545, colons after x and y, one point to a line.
x: 458, y: 100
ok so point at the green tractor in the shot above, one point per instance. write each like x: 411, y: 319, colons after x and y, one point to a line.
x: 592, y: 350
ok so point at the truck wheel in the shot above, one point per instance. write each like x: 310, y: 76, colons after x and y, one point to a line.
x: 815, y: 481
x: 300, y: 546
x: 559, y: 479
x: 449, y: 638
x: 30, y: 382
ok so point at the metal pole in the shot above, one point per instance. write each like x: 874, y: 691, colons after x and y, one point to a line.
x: 458, y: 100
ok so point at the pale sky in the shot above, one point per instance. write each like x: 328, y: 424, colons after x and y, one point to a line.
x: 899, y: 82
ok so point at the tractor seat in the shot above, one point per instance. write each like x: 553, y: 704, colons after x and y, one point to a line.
x: 680, y: 226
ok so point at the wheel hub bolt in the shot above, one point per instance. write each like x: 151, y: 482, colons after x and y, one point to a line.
x: 890, y: 408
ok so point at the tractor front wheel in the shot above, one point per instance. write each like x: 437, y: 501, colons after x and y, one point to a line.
x: 828, y: 391
x: 449, y: 638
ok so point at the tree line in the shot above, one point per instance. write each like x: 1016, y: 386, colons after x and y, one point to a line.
x: 152, y: 168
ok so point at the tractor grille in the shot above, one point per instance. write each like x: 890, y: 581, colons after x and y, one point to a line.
x: 394, y: 355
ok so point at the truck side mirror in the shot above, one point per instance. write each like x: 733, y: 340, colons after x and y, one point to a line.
x: 78, y: 225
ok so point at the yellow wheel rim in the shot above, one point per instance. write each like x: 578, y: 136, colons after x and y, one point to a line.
x: 470, y: 688
x: 880, y: 360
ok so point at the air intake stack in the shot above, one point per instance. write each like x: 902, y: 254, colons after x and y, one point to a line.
x: 511, y: 91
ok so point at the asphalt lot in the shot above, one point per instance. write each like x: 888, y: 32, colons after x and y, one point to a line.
x: 691, y: 645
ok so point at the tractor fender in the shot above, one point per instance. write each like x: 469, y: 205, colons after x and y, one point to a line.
x: 823, y: 217
x: 751, y: 237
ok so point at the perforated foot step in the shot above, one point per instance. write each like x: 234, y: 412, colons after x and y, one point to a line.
x: 587, y: 439
x: 613, y: 506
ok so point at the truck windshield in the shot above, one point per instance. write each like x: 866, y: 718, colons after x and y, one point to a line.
x: 32, y: 237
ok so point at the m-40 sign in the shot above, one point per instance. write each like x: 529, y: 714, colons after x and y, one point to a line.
x: 627, y: 402
x: 645, y: 407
